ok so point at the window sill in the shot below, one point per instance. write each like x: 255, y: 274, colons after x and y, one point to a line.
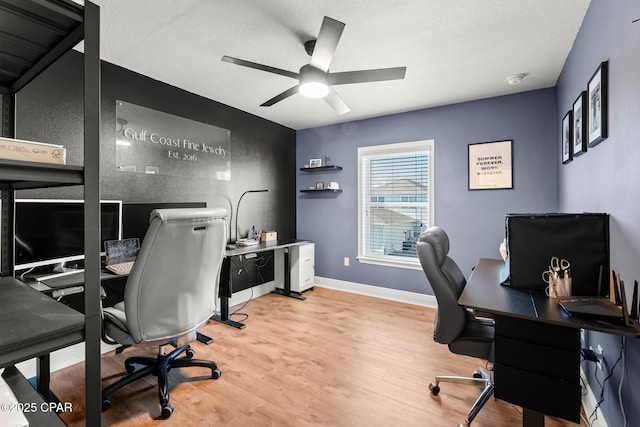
x: 390, y: 262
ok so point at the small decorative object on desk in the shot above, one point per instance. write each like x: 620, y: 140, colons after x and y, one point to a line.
x: 315, y: 163
x: 268, y: 236
x: 16, y: 149
x: 558, y: 277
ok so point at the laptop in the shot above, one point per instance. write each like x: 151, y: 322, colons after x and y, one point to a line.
x: 120, y: 255
x: 597, y: 307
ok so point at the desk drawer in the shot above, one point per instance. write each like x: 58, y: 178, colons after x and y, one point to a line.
x: 537, y: 332
x: 303, y: 279
x: 303, y: 256
x: 541, y: 393
x: 538, y: 359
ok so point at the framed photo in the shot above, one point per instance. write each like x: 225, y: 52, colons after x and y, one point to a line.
x: 491, y: 165
x: 319, y: 185
x: 315, y: 163
x: 598, y: 105
x: 579, y: 125
x: 567, y: 137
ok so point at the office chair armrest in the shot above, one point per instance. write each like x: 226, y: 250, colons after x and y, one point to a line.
x: 481, y: 315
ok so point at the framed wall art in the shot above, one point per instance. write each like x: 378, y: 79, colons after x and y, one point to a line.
x: 579, y: 126
x: 491, y: 165
x: 567, y: 137
x: 598, y: 105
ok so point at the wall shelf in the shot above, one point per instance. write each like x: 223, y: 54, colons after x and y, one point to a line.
x: 20, y: 175
x: 322, y: 169
x: 323, y: 190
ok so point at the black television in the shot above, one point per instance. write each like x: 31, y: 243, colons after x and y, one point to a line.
x: 135, y: 216
x: 51, y: 232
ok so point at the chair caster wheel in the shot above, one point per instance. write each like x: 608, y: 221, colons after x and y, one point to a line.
x: 106, y: 404
x: 434, y: 388
x: 167, y: 411
x: 190, y: 353
x: 130, y: 368
x: 216, y: 373
x: 476, y: 374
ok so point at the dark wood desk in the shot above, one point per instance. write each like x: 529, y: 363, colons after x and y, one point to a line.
x: 282, y: 275
x: 537, y: 345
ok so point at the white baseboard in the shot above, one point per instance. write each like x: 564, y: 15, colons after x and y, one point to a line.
x: 589, y: 402
x: 378, y: 292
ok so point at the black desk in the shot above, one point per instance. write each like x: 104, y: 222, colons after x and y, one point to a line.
x: 34, y: 325
x: 282, y: 275
x: 537, y: 345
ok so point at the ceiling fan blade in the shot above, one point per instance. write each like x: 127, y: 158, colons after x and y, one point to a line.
x: 364, y: 76
x: 287, y: 93
x: 336, y: 102
x: 326, y: 44
x: 260, y: 67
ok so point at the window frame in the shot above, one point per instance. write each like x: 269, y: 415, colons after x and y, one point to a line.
x: 400, y: 148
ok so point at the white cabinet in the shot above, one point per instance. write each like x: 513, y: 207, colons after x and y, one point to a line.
x: 302, y: 266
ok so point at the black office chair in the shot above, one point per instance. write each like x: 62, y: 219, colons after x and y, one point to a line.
x: 170, y: 292
x: 455, y: 325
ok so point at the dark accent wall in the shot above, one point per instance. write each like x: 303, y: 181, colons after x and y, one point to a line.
x: 606, y: 177
x: 262, y: 152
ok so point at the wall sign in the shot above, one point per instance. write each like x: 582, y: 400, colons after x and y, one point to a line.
x: 490, y: 165
x: 153, y: 142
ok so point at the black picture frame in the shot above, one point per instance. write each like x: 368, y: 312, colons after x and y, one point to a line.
x: 490, y: 165
x: 566, y: 137
x: 579, y: 140
x: 598, y: 105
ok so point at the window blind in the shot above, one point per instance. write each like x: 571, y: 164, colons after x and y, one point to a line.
x: 394, y: 200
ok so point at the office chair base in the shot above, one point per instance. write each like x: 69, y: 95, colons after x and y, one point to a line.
x: 159, y: 367
x: 480, y: 377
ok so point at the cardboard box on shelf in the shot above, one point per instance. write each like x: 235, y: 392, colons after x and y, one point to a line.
x: 267, y: 236
x: 16, y: 149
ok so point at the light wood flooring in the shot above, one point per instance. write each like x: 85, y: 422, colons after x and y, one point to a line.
x: 336, y: 359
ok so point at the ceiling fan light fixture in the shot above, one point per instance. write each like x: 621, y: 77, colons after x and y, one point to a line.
x: 313, y: 82
x: 313, y: 89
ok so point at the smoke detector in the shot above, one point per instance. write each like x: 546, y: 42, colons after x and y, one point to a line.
x: 516, y: 79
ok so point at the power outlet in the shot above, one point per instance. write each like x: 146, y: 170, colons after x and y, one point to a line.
x: 346, y: 261
x: 600, y: 355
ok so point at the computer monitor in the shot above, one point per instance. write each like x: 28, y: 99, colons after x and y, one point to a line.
x: 51, y: 232
x: 135, y: 216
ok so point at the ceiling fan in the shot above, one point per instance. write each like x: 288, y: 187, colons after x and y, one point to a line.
x: 314, y: 79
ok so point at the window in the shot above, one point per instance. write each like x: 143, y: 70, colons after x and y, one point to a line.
x: 395, y: 201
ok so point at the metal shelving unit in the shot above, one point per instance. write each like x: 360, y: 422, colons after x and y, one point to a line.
x: 35, y: 33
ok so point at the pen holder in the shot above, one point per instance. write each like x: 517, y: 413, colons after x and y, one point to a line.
x: 563, y: 286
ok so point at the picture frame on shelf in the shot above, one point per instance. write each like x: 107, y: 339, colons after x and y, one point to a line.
x: 598, y: 105
x: 319, y: 185
x: 567, y: 137
x: 315, y: 163
x: 579, y: 126
x: 491, y: 165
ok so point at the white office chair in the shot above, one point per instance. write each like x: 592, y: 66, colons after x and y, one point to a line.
x: 170, y: 292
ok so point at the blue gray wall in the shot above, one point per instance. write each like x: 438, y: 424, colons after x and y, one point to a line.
x: 474, y: 220
x: 606, y: 177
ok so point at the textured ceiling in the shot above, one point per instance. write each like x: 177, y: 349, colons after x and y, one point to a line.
x: 454, y: 50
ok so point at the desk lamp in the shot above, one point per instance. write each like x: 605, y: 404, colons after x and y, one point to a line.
x: 238, y: 210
